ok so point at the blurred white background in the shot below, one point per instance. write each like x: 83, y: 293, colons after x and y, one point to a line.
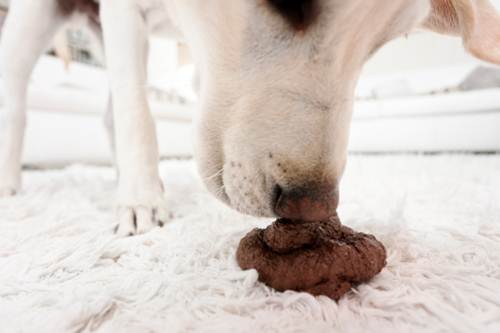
x: 420, y: 93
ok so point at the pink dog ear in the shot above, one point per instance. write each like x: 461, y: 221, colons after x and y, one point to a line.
x: 476, y: 21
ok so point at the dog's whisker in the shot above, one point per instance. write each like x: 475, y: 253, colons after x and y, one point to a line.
x: 220, y: 190
x: 216, y: 174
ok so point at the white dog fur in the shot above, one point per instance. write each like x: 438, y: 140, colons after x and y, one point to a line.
x: 275, y: 101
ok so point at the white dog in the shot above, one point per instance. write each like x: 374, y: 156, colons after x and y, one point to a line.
x: 276, y: 89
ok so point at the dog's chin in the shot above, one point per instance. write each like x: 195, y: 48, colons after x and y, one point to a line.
x: 237, y: 191
x: 217, y: 188
x: 215, y: 185
x: 247, y: 209
x: 249, y: 202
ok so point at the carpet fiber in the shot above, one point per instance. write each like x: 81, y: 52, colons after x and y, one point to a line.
x: 62, y: 269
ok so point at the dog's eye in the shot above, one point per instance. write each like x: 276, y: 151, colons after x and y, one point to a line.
x: 298, y: 13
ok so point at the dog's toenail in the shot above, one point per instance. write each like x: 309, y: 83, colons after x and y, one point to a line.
x: 134, y: 220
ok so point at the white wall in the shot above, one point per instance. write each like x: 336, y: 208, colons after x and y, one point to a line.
x: 418, y: 50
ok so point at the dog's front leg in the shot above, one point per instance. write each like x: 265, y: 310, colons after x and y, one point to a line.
x: 27, y: 32
x: 140, y: 191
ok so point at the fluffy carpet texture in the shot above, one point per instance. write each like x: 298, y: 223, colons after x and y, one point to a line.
x: 63, y: 270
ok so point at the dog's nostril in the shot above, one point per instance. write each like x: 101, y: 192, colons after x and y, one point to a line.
x: 276, y: 195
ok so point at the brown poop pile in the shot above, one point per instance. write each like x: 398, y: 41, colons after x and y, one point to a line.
x: 322, y: 258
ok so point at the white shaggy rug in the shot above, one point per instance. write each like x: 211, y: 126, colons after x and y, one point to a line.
x: 62, y: 269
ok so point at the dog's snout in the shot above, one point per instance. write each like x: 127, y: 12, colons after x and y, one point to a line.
x: 306, y: 203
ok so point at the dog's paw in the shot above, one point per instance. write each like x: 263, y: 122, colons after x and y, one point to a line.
x: 10, y: 182
x: 137, y: 220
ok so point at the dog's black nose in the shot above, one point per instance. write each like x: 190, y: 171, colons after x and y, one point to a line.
x: 307, y: 203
